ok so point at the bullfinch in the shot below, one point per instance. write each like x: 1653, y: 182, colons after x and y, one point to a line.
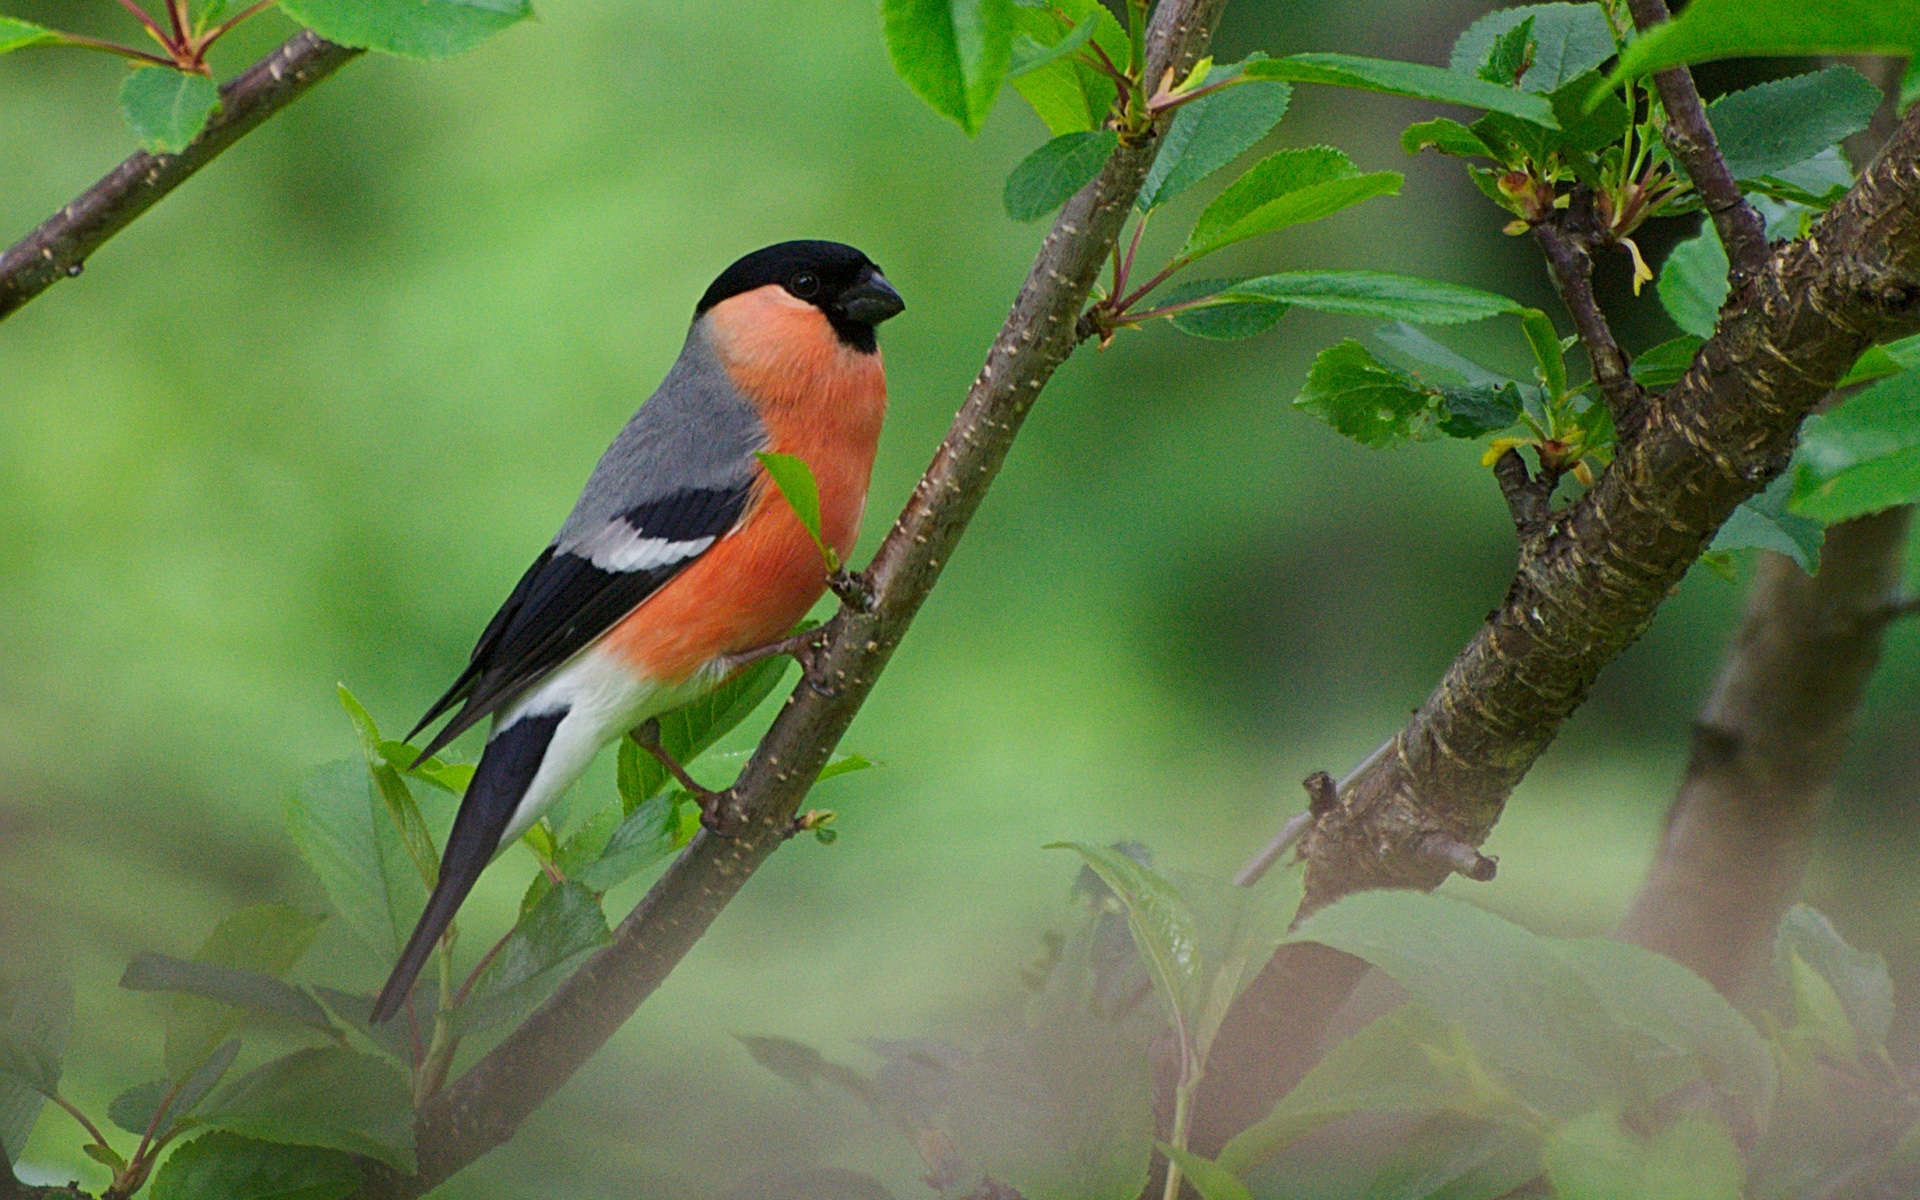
x: 680, y: 556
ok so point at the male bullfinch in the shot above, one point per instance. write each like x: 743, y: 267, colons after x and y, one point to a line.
x: 680, y: 554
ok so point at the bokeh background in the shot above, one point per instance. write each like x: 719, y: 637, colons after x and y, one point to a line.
x: 306, y: 422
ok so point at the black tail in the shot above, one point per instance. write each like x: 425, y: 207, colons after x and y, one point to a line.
x: 506, y: 768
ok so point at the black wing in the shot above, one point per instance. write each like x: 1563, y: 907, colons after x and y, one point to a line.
x: 564, y: 602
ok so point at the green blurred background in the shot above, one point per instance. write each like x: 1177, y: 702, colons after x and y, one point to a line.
x: 307, y: 421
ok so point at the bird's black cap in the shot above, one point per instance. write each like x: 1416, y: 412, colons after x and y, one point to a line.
x: 835, y: 278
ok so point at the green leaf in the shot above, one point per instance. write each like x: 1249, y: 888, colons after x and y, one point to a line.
x: 1207, y: 134
x: 392, y: 1037
x: 806, y: 1068
x: 36, y: 1013
x: 1765, y: 129
x: 1406, y: 79
x: 1663, y: 365
x: 1469, y: 410
x: 687, y: 731
x: 1162, y: 925
x: 1446, y: 135
x: 16, y: 34
x: 167, y: 108
x: 235, y: 987
x: 332, y: 1097
x: 565, y: 924
x: 1569, y: 40
x: 1376, y: 294
x: 1069, y: 95
x: 426, y: 29
x: 1365, y: 399
x: 1209, y: 1178
x: 1571, y: 1023
x: 844, y: 764
x: 1596, y: 1157
x: 795, y: 480
x: 1762, y: 522
x: 1862, y: 456
x: 1407, y: 1061
x: 1228, y: 320
x: 952, y: 53
x: 1857, y: 979
x: 159, y: 1105
x: 341, y: 828
x: 1285, y: 188
x: 1508, y: 57
x: 260, y: 938
x: 1712, y: 29
x: 1030, y: 54
x: 1435, y: 362
x: 645, y: 837
x: 1050, y: 176
x: 1693, y: 282
x: 1547, y: 354
x: 391, y: 787
x: 1878, y: 362
x: 226, y: 1166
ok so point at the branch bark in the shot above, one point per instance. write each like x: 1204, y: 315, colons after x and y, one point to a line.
x: 1587, y: 592
x: 1765, y: 751
x: 482, y: 1109
x: 1569, y: 258
x: 59, y: 248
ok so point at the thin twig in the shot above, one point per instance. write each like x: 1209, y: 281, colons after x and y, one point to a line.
x: 1529, y: 503
x: 1570, y: 263
x: 1690, y: 138
x: 60, y: 246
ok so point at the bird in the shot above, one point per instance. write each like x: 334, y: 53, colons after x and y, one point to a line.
x: 680, y: 558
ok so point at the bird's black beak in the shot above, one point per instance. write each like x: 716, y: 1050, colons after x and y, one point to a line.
x: 870, y: 300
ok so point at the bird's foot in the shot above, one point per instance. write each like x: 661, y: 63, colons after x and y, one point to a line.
x: 853, y: 588
x: 807, y: 648
x: 720, y: 811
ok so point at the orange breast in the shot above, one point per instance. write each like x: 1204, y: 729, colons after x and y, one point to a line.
x: 823, y: 402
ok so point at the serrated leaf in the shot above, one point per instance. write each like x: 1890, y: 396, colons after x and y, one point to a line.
x: 1289, y: 187
x: 424, y: 29
x: 159, y: 1105
x: 1467, y: 411
x: 341, y: 827
x: 1048, y: 178
x: 1762, y: 522
x: 1863, y: 456
x: 263, y: 939
x: 1693, y: 282
x: 1445, y: 135
x: 1161, y: 922
x: 167, y: 108
x: 36, y: 1013
x: 565, y: 924
x: 1663, y: 365
x: 235, y: 987
x: 1066, y: 93
x: 687, y: 731
x: 334, y: 1098
x: 1365, y: 399
x: 226, y: 1166
x: 1226, y: 320
x: 1714, y: 29
x: 1376, y: 294
x: 1767, y: 128
x: 1596, y: 1157
x: 1406, y: 79
x: 1569, y: 40
x: 952, y: 53
x: 1207, y: 134
x: 16, y: 34
x: 393, y: 1037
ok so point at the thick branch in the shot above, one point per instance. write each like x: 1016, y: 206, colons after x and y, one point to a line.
x: 62, y: 243
x: 482, y: 1109
x: 1765, y: 752
x: 1590, y: 590
x: 1690, y: 137
x: 1570, y: 263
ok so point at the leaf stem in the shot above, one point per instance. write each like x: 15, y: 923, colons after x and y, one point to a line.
x: 82, y: 42
x: 1133, y: 297
x: 93, y: 1131
x: 219, y: 31
x: 149, y: 24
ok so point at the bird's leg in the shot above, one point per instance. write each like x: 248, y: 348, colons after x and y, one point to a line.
x: 719, y: 811
x: 853, y: 588
x: 805, y: 646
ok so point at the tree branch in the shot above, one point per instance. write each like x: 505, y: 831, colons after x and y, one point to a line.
x: 482, y: 1109
x: 1570, y: 263
x: 1690, y: 138
x: 1765, y: 751
x: 60, y: 246
x: 1590, y: 590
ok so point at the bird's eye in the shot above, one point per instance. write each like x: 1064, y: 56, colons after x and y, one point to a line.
x: 805, y: 285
